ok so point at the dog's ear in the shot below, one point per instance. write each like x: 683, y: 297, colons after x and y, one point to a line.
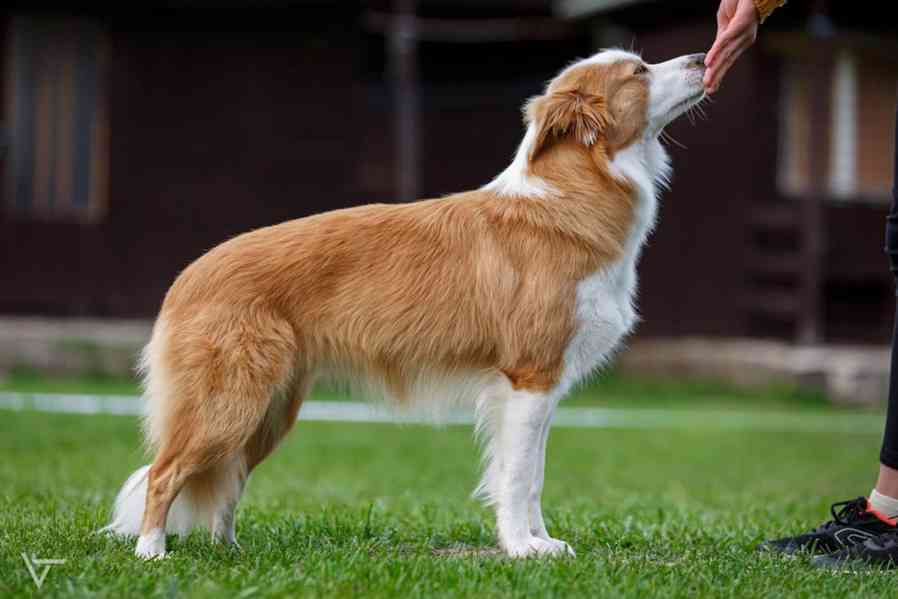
x: 566, y: 112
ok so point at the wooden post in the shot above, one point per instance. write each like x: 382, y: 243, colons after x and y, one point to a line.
x: 810, y: 323
x: 404, y: 75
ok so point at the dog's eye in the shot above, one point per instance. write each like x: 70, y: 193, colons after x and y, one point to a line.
x: 641, y: 70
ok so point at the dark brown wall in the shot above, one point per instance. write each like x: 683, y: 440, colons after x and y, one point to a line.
x: 211, y: 135
x: 859, y: 290
x: 691, y: 276
x: 216, y: 133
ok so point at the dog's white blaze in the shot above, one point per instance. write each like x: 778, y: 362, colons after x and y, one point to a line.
x: 609, y: 56
x: 671, y: 85
x: 516, y: 180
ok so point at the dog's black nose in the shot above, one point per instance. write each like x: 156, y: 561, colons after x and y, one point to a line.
x: 696, y: 61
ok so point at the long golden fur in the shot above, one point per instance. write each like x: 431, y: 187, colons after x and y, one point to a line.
x: 476, y: 282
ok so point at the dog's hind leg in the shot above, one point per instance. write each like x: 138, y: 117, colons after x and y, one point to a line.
x: 205, y: 464
x: 205, y: 457
x: 220, y: 394
x: 278, y: 421
x: 217, y: 491
x: 228, y: 481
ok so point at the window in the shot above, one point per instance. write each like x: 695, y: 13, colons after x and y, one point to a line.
x: 858, y: 117
x: 56, y: 161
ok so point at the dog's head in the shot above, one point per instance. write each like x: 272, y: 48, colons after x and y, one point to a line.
x: 615, y: 98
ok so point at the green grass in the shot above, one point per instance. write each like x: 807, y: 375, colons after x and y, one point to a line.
x: 345, y: 510
x: 26, y: 380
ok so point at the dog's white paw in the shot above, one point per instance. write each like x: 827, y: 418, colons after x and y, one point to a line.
x: 537, y: 547
x: 151, y: 545
x: 561, y: 547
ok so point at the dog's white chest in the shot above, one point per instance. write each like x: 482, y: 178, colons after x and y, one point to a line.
x: 605, y: 311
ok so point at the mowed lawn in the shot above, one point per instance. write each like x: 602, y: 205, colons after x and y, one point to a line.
x: 347, y: 510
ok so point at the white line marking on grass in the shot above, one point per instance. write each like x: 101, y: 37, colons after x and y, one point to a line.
x: 565, y: 417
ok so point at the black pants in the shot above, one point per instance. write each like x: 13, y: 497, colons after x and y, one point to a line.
x: 889, y: 454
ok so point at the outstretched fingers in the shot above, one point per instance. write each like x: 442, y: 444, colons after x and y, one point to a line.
x: 737, y: 28
x: 724, y: 60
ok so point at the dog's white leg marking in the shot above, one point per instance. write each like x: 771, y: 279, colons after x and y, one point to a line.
x: 524, y: 419
x: 230, y: 485
x: 151, y: 545
x: 224, y: 524
x: 537, y: 524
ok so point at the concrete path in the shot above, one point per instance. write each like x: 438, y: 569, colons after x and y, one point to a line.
x: 831, y: 422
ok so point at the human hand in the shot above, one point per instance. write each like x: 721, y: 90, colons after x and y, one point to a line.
x: 737, y: 28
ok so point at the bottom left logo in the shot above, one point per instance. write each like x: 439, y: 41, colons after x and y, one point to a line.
x: 33, y: 564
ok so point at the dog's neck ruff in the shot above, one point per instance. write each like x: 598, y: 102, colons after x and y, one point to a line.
x: 605, y: 300
x: 646, y: 166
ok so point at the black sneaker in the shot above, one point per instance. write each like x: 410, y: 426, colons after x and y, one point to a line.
x: 854, y: 523
x: 878, y: 552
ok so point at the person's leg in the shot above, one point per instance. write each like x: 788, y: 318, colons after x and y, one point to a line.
x: 887, y: 483
x: 864, y: 529
x: 882, y: 551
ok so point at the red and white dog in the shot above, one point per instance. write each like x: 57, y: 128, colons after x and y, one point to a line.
x: 504, y: 297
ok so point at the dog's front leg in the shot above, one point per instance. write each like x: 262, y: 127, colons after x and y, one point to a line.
x: 537, y: 524
x: 524, y: 422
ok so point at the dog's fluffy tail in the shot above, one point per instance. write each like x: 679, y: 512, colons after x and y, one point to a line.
x: 127, y: 515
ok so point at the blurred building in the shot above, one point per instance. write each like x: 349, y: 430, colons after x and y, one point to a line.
x: 135, y: 140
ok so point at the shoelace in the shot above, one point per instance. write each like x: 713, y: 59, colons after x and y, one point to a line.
x: 851, y: 510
